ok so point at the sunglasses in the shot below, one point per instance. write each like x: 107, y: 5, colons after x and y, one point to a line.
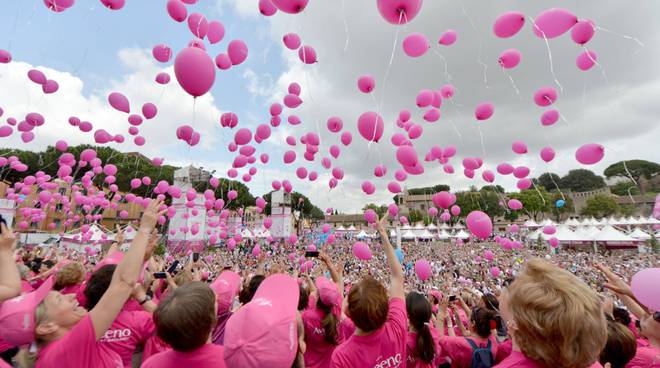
x: 656, y: 316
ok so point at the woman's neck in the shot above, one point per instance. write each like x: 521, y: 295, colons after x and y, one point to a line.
x: 359, y: 332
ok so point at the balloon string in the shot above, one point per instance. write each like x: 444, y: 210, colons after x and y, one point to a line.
x: 389, y: 65
x: 600, y: 67
x: 481, y: 45
x: 513, y: 84
x: 451, y: 121
x: 343, y: 11
x: 481, y: 137
x: 538, y: 191
x: 547, y: 46
x: 641, y: 45
x: 625, y: 167
x: 444, y: 61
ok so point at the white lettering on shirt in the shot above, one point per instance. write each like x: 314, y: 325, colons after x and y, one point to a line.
x: 116, y: 335
x: 390, y: 362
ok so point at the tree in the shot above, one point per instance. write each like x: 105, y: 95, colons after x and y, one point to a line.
x: 637, y: 169
x: 600, y: 206
x: 624, y: 188
x: 414, y: 216
x: 299, y: 202
x: 534, y: 202
x: 429, y: 190
x: 380, y: 210
x: 485, y: 201
x: 548, y: 180
x: 653, y: 244
x: 492, y: 188
x: 582, y: 180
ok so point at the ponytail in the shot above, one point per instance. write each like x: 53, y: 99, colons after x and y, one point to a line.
x: 424, y: 347
x: 329, y: 323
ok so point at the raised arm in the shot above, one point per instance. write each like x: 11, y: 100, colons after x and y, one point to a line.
x: 10, y: 278
x: 396, y: 272
x: 337, y: 277
x: 126, y: 275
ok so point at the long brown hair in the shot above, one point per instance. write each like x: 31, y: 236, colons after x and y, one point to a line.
x: 329, y: 323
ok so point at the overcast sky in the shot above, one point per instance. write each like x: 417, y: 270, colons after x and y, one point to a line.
x: 92, y: 51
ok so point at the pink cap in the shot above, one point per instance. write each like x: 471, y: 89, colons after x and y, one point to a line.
x: 263, y: 332
x: 328, y: 292
x: 436, y: 294
x: 226, y: 286
x: 17, y: 315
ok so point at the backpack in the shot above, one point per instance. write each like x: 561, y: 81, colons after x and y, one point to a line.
x: 481, y: 357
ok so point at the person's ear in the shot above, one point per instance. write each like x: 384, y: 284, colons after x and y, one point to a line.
x: 46, y: 328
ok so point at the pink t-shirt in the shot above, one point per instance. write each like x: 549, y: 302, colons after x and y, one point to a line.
x: 319, y: 351
x: 519, y: 360
x: 207, y: 356
x: 4, y: 365
x: 128, y: 330
x: 415, y: 362
x: 71, y: 289
x: 26, y: 287
x: 79, y: 349
x: 503, y: 350
x: 459, y: 350
x: 384, y: 348
x: 645, y: 357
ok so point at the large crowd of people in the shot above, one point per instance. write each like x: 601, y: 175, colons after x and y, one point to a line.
x: 280, y: 308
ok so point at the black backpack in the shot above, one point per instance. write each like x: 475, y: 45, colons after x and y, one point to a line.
x: 481, y: 357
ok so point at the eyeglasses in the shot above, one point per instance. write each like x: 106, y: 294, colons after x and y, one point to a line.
x: 656, y: 316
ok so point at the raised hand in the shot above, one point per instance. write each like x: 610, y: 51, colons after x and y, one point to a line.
x: 7, y: 240
x: 151, y: 214
x: 614, y: 282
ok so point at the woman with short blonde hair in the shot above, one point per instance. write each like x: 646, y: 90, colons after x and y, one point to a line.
x: 554, y: 319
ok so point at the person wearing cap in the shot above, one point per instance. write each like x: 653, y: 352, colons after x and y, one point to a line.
x: 381, y: 321
x: 65, y: 333
x: 226, y: 287
x: 184, y: 319
x: 264, y: 332
x: 323, y: 321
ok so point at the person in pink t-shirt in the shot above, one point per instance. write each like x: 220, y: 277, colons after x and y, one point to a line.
x: 69, y: 278
x: 131, y: 328
x: 545, y: 301
x: 422, y: 349
x: 459, y: 349
x: 382, y: 324
x: 322, y: 322
x: 621, y: 346
x: 66, y: 335
x: 185, y: 319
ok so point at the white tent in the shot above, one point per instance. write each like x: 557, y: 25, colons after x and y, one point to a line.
x: 426, y: 235
x: 458, y: 225
x: 392, y: 233
x: 408, y: 235
x: 341, y: 228
x: 444, y: 235
x: 432, y: 227
x: 546, y: 222
x: 461, y: 234
x: 609, y: 234
x: 572, y: 222
x: 406, y: 227
x: 652, y: 220
x: 361, y: 235
x: 351, y: 229
x: 444, y: 226
x: 639, y: 234
x: 247, y: 234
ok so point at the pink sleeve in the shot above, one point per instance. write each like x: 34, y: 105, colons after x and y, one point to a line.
x: 451, y: 346
x: 311, y: 302
x: 397, y: 316
x: 144, y: 325
x: 153, y: 346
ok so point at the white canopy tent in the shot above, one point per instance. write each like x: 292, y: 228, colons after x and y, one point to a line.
x: 341, y: 228
x: 444, y: 235
x: 361, y: 235
x: 426, y: 235
x: 408, y: 235
x: 530, y: 223
x: 609, y: 234
x: 639, y: 234
x: 461, y: 234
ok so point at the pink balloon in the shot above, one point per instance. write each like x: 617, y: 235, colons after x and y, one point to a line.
x: 549, y: 117
x: 370, y: 126
x: 162, y: 78
x: 488, y: 176
x: 335, y: 124
x: 267, y: 8
x: 135, y: 119
x: 583, y: 31
x: 443, y: 199
x: 119, y: 102
x: 27, y: 137
x: 447, y: 91
x: 380, y: 171
x: 547, y: 154
x: 361, y: 251
x: 50, y: 86
x: 237, y: 51
x: 275, y: 109
x: 61, y: 146
x: 399, y: 11
x: 290, y: 6
x: 243, y: 136
x: 301, y: 172
x: 5, y: 57
x: 307, y: 54
x: 549, y: 229
x: 455, y: 210
x: 484, y: 111
x: 554, y: 22
x: 415, y: 45
x: 198, y: 25
x: 291, y: 41
x: 149, y: 110
x: 36, y: 76
x: 366, y: 83
x: 338, y: 173
x: 509, y: 58
x: 554, y: 242
x: 222, y: 61
x: 177, y: 10
x: 292, y: 101
x: 162, y: 53
x: 423, y: 269
x: 521, y: 172
x: 424, y: 98
x: 508, y: 24
x: 514, y: 204
x: 406, y: 155
x: 194, y: 71
x: 368, y: 187
x: 216, y: 32
x: 289, y: 156
x: 590, y: 154
x: 523, y: 184
x: 432, y: 115
x: 113, y: 4
x: 415, y: 131
x: 586, y: 60
x: 346, y: 138
x: 393, y: 187
x: 58, y: 6
x: 519, y: 147
x: 545, y: 96
x: 644, y: 286
x: 479, y: 224
x: 448, y: 38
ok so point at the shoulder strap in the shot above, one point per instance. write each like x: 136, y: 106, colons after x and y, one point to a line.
x: 472, y: 344
x: 488, y: 346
